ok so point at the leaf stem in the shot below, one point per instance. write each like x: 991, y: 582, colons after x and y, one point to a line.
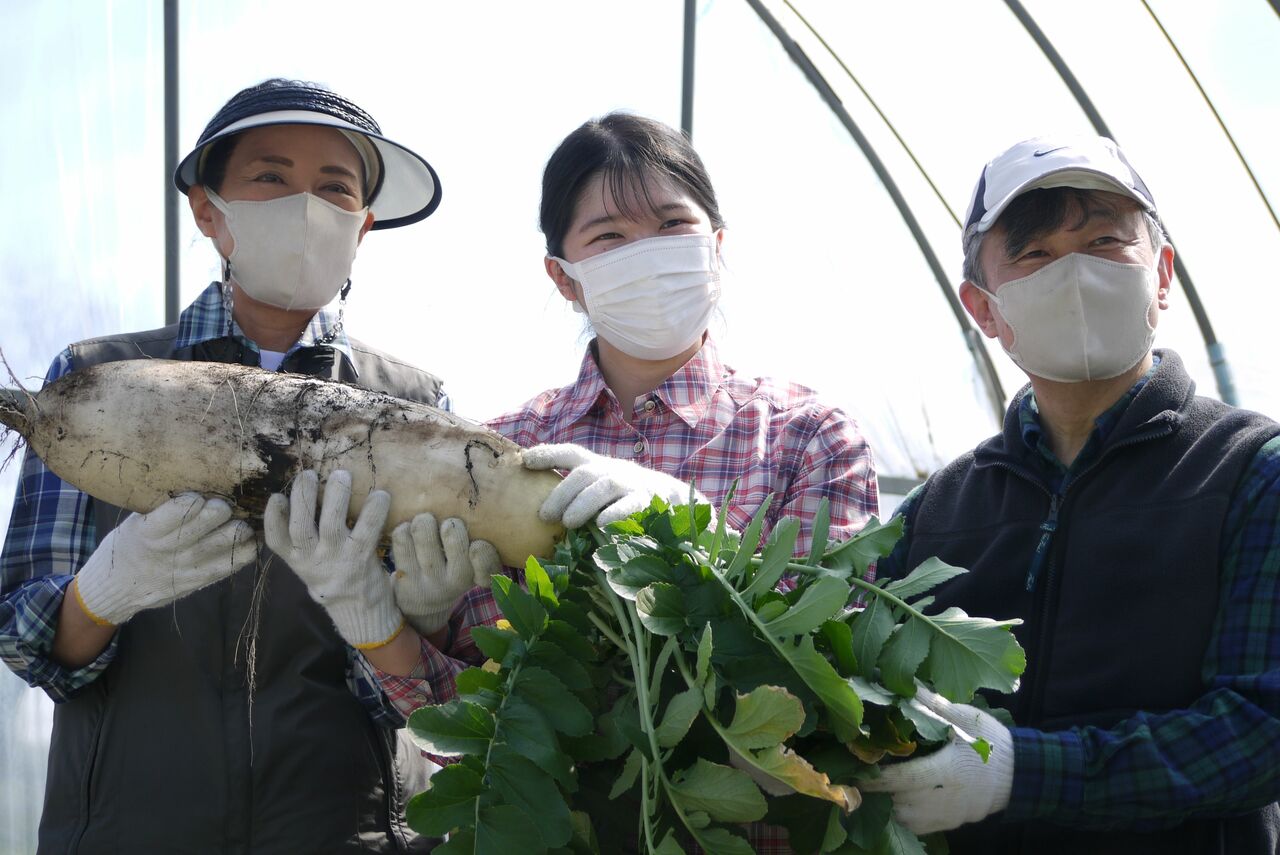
x: 857, y: 582
x: 606, y: 630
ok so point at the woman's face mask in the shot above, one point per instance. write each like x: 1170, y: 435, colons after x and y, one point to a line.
x: 294, y: 252
x: 1080, y: 317
x: 651, y: 298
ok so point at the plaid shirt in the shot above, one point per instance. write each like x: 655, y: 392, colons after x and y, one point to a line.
x: 1219, y: 756
x: 52, y: 533
x: 703, y: 424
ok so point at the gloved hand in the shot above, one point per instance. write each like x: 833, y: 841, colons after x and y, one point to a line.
x: 340, y: 566
x: 952, y: 786
x: 435, y: 566
x: 153, y: 559
x: 596, y: 484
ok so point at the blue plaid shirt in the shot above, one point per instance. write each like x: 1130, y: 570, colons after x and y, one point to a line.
x: 1220, y: 756
x: 52, y: 533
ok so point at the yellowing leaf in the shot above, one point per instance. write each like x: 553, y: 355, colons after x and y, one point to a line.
x: 793, y: 770
x: 764, y: 717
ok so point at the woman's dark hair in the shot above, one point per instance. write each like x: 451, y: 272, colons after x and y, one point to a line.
x: 257, y: 99
x: 629, y: 150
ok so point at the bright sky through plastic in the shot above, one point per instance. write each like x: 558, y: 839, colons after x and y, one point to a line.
x: 827, y: 288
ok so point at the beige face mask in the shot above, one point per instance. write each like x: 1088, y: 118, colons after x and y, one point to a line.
x: 1079, y: 318
x: 294, y: 252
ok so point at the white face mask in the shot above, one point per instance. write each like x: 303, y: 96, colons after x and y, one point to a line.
x: 294, y: 252
x: 1079, y: 318
x: 651, y: 298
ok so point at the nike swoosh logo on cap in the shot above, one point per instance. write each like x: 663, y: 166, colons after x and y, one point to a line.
x: 1047, y: 151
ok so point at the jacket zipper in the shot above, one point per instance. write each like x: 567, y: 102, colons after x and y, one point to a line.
x: 1048, y: 528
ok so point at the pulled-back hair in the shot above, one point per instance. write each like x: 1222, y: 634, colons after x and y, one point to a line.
x: 629, y: 151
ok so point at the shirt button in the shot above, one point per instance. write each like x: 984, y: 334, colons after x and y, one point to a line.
x: 638, y: 448
x: 650, y: 406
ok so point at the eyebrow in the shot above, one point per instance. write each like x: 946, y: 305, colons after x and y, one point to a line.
x: 284, y: 161
x: 609, y: 218
x: 1013, y: 248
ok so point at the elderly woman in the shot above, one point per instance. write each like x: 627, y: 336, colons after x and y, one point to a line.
x: 209, y: 699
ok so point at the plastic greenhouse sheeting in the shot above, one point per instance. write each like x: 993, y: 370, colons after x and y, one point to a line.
x: 827, y: 286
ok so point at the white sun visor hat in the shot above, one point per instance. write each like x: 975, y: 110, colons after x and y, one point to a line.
x: 1083, y: 162
x: 401, y: 186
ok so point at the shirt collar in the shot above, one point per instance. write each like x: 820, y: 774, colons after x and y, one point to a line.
x: 586, y: 391
x: 687, y: 393
x: 1033, y: 433
x: 206, y: 319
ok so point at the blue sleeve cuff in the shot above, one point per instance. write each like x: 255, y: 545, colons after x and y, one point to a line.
x: 1048, y: 776
x: 28, y: 625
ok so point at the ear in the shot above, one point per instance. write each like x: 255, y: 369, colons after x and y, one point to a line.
x: 1164, y: 267
x: 364, y: 230
x: 564, y: 284
x: 977, y: 303
x: 202, y: 210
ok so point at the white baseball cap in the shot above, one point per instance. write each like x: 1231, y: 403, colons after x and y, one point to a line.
x: 1083, y: 162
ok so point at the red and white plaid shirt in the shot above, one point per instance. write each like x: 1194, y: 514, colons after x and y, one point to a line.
x: 704, y: 424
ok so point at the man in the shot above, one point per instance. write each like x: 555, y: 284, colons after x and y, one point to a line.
x: 1129, y: 524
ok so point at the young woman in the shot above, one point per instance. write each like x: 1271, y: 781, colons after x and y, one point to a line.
x: 633, y: 234
x: 207, y: 700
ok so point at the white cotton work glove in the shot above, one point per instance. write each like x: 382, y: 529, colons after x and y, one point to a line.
x: 339, y: 566
x: 614, y: 489
x: 435, y: 566
x: 952, y: 786
x: 154, y: 559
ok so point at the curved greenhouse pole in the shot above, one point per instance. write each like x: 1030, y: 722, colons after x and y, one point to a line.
x: 971, y: 336
x: 1217, y: 356
x: 1208, y: 102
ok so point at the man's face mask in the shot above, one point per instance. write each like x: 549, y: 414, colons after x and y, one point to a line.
x: 651, y: 298
x: 1080, y: 317
x: 294, y: 252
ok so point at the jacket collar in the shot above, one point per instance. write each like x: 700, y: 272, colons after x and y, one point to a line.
x: 205, y: 320
x: 1157, y: 407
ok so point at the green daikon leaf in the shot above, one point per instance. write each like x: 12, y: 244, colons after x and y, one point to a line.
x: 724, y: 793
x: 824, y: 598
x: 682, y: 709
x: 773, y: 562
x: 971, y: 653
x: 903, y: 654
x: 524, y: 785
x: 456, y: 727
x: 557, y: 704
x: 750, y: 540
x: 449, y: 803
x: 661, y: 608
x: 527, y: 616
x: 931, y: 573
